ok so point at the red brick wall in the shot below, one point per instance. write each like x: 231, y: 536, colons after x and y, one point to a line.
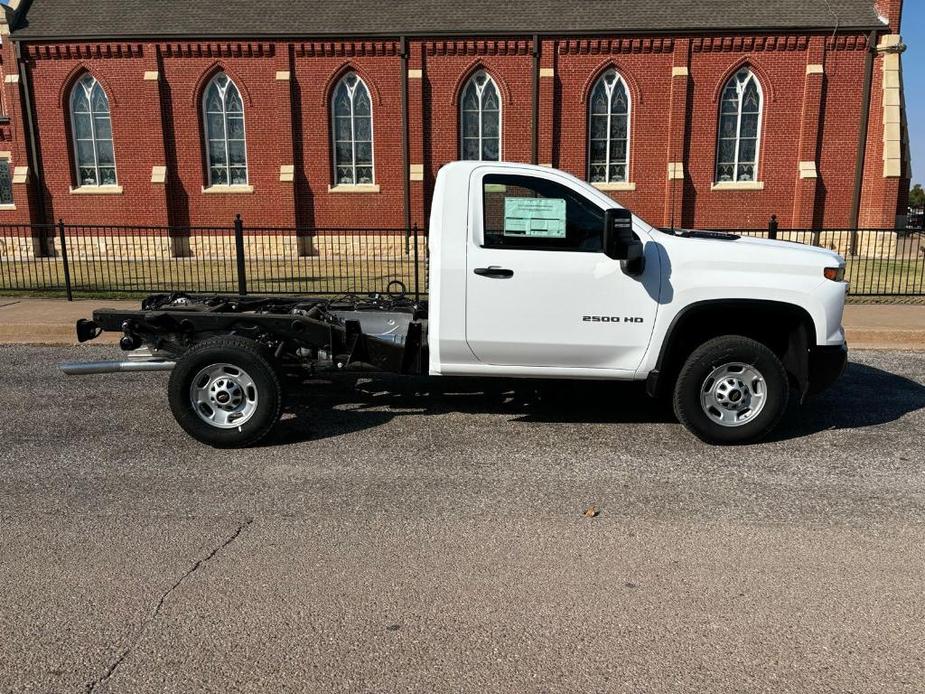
x: 13, y: 140
x: 317, y: 69
x: 648, y: 75
x: 447, y: 68
x: 136, y: 135
x: 159, y: 123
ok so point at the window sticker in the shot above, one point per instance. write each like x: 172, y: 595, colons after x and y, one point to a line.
x: 534, y: 217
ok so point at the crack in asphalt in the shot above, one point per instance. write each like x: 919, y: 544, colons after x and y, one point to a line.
x: 113, y: 666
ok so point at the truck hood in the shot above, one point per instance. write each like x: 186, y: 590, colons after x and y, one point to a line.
x: 711, y: 246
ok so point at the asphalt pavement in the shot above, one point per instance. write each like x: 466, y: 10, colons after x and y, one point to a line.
x: 418, y: 535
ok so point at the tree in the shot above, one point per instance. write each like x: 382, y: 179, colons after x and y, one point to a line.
x: 917, y: 196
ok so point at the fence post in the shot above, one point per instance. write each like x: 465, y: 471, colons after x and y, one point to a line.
x: 67, y: 269
x: 417, y: 288
x: 239, y: 254
x: 772, y: 227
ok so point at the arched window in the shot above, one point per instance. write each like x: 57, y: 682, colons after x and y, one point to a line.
x: 226, y: 144
x: 352, y: 125
x: 92, y: 130
x: 739, y: 129
x: 480, y: 119
x: 609, y: 130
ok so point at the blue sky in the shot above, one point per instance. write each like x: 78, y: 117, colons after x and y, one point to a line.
x: 913, y: 31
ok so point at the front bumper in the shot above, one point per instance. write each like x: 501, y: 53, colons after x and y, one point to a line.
x: 826, y: 364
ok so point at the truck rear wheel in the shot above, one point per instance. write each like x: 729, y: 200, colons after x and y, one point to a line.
x: 731, y: 390
x: 224, y: 392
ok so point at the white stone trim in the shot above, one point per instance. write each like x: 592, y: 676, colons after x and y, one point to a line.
x: 615, y: 185
x: 815, y: 69
x: 808, y: 169
x: 283, y: 75
x: 20, y: 174
x: 738, y: 185
x: 97, y: 190
x: 890, y: 48
x: 415, y: 73
x: 152, y: 75
x: 680, y: 71
x: 287, y: 173
x: 238, y: 189
x: 158, y: 174
x: 354, y: 188
x: 547, y: 72
x: 416, y: 172
x: 11, y: 79
x: 675, y: 170
x: 889, y: 42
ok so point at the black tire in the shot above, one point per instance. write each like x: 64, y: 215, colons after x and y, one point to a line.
x: 700, y: 365
x: 247, y: 356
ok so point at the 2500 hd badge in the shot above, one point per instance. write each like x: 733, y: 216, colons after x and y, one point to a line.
x: 611, y: 319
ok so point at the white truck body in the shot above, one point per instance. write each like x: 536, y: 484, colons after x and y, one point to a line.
x: 532, y: 323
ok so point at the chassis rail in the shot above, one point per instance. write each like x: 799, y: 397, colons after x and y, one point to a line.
x: 303, y: 330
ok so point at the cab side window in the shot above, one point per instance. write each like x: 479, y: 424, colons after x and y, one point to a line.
x: 524, y: 212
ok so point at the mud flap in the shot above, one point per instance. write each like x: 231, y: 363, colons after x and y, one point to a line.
x: 796, y: 359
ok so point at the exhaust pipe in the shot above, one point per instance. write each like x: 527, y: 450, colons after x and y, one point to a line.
x: 84, y: 368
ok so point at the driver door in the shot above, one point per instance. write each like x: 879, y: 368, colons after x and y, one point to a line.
x: 539, y: 290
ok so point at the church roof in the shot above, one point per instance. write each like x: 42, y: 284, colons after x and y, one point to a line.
x: 121, y: 19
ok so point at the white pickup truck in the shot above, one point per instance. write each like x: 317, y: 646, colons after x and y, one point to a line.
x: 533, y: 273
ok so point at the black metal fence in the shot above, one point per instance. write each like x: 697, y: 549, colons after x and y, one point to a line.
x: 98, y: 260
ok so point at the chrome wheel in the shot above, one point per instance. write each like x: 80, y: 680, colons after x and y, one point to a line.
x: 223, y: 395
x: 733, y: 394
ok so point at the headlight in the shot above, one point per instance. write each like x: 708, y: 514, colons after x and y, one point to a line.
x: 836, y: 274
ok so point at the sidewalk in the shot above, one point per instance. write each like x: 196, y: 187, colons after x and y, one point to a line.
x: 51, y: 321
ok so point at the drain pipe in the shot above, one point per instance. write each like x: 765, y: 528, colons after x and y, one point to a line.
x: 861, y: 154
x: 535, y: 115
x: 35, y: 162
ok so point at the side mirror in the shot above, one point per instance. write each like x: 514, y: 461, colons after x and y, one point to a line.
x: 620, y: 243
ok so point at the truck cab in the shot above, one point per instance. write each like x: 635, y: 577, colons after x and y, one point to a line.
x: 532, y: 273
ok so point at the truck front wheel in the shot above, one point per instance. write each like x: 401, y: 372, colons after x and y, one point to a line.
x: 731, y: 390
x: 224, y: 392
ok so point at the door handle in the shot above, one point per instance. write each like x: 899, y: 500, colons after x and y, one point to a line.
x: 493, y: 271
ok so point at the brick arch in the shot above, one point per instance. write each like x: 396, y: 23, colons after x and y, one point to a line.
x: 335, y: 77
x: 81, y: 69
x: 764, y: 80
x: 467, y: 74
x: 631, y: 83
x: 206, y: 77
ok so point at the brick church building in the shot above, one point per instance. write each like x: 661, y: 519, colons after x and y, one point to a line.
x: 339, y: 114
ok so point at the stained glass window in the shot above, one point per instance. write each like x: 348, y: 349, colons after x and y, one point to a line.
x: 352, y: 125
x: 226, y: 144
x: 739, y: 128
x: 480, y: 119
x: 608, y: 130
x: 91, y: 128
x: 6, y: 183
